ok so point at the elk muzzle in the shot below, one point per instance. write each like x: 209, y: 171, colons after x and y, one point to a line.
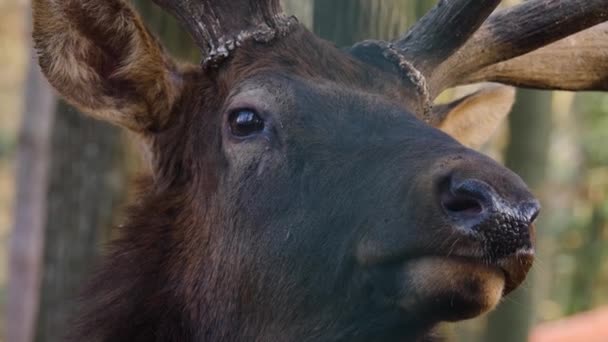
x: 502, y: 226
x: 472, y: 244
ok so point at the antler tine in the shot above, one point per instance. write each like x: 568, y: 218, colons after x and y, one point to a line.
x: 437, y: 36
x: 219, y: 26
x: 578, y: 62
x: 442, y: 31
x: 519, y: 30
x: 451, y: 46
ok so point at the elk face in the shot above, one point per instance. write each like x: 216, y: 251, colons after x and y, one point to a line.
x: 373, y: 221
x: 307, y: 193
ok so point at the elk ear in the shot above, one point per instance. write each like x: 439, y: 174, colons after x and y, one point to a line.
x: 103, y: 60
x: 472, y: 120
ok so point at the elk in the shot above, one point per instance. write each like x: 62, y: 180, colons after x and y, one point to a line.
x: 301, y: 192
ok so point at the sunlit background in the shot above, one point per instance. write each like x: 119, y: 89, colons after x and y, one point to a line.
x: 557, y: 141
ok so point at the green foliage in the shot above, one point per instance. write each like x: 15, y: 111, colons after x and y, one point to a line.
x: 594, y: 128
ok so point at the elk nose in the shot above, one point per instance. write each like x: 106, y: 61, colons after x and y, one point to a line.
x: 502, y: 224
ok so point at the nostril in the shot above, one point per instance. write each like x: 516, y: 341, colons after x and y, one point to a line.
x: 496, y: 219
x: 467, y: 198
x: 457, y: 203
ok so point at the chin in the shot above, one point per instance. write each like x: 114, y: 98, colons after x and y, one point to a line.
x: 451, y: 289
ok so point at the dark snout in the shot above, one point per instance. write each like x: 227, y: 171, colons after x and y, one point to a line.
x: 464, y: 204
x: 488, y: 214
x: 467, y: 238
x: 501, y: 221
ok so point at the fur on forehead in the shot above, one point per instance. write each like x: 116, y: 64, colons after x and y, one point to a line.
x: 249, y: 93
x: 303, y: 54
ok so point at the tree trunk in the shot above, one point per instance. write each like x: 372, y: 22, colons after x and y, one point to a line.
x: 527, y: 155
x: 86, y: 182
x: 27, y: 234
x: 302, y: 9
x: 347, y: 21
x: 592, y: 186
x: 588, y: 261
x: 168, y: 29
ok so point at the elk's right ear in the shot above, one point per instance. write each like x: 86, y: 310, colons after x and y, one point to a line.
x: 103, y: 60
x: 473, y: 119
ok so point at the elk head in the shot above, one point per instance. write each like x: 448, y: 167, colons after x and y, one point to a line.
x: 301, y: 192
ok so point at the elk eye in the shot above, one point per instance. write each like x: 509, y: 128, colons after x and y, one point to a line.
x: 245, y: 122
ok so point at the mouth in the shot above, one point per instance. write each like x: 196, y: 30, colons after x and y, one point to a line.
x: 455, y: 287
x: 469, y: 278
x: 465, y: 286
x: 515, y: 268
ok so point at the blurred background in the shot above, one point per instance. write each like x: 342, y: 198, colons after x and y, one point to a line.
x: 64, y: 179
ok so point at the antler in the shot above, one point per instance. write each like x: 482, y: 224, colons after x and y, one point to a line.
x: 529, y: 26
x: 442, y: 31
x: 219, y: 26
x: 451, y: 46
x: 578, y: 62
x: 433, y: 39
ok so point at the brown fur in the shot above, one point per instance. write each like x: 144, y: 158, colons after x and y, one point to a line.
x: 204, y: 255
x: 165, y: 279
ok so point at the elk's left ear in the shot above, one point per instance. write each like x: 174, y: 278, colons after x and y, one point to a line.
x: 103, y: 60
x: 473, y: 119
